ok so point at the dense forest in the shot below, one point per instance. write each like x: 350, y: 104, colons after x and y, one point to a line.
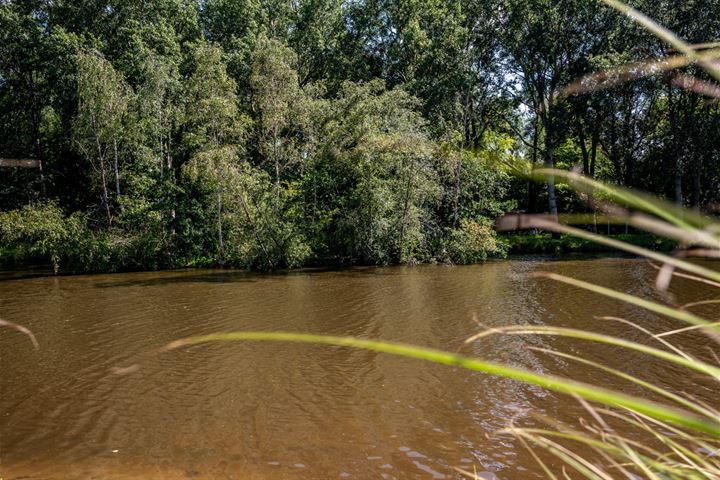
x: 280, y: 133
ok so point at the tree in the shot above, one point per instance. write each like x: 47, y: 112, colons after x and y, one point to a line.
x: 280, y: 107
x: 269, y: 133
x: 318, y: 37
x: 546, y: 41
x: 158, y: 112
x: 103, y: 100
x: 378, y: 156
x: 213, y: 126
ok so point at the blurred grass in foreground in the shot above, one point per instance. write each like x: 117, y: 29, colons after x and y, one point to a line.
x: 540, y: 243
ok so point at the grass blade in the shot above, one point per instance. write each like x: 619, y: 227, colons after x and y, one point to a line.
x: 521, y: 222
x: 557, y: 384
x: 677, y: 314
x: 692, y: 364
x: 664, y: 34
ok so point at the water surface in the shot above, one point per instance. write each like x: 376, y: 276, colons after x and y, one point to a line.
x: 276, y: 411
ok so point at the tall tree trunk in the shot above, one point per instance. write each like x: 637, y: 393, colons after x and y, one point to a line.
x: 403, y: 224
x: 550, y: 163
x: 116, y: 167
x: 245, y: 208
x: 552, y: 198
x: 221, y: 244
x: 162, y: 144
x: 629, y: 169
x: 171, y: 173
x: 468, y: 115
x: 371, y: 224
x: 458, y: 187
x: 612, y: 151
x: 43, y: 189
x: 36, y: 129
x: 677, y: 162
x: 38, y: 155
x: 679, y: 200
x: 103, y: 175
x: 583, y: 149
x: 595, y: 140
x: 696, y: 182
x: 277, y: 179
x: 532, y: 193
x: 276, y: 159
x: 594, y: 143
x: 105, y: 197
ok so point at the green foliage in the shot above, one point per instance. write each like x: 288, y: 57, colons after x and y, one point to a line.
x: 38, y: 231
x: 212, y: 117
x: 376, y: 145
x: 141, y: 236
x: 99, y: 129
x: 270, y: 134
x: 473, y: 183
x: 281, y: 110
x: 42, y: 231
x: 473, y: 242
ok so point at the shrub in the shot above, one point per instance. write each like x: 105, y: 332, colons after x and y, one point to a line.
x: 473, y: 241
x: 42, y: 231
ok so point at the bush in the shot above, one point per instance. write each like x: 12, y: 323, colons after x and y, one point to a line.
x: 41, y: 231
x: 473, y: 242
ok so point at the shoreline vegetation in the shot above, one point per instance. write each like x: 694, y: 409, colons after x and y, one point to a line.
x: 509, y: 246
x: 544, y: 243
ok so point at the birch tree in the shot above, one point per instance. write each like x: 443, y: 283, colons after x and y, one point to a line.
x: 103, y: 100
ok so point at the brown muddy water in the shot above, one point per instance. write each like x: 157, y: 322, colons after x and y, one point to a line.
x: 276, y: 411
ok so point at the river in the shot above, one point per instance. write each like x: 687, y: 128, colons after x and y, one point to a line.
x: 69, y: 410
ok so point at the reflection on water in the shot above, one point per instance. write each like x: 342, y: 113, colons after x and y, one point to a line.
x: 292, y: 411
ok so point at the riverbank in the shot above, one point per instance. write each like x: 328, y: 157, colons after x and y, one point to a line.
x: 510, y: 244
x: 544, y: 243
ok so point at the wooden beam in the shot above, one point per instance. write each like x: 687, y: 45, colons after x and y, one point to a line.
x: 19, y: 162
